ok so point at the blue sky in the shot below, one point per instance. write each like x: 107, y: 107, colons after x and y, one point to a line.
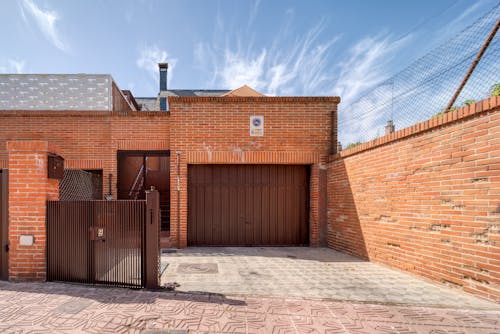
x: 278, y: 47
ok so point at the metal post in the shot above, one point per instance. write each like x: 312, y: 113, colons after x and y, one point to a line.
x: 333, y: 131
x: 152, y: 240
x: 474, y: 64
x: 4, y: 225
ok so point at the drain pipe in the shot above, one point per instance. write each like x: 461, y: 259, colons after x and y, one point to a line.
x: 178, y: 158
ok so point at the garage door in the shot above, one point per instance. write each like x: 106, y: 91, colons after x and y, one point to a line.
x: 248, y: 205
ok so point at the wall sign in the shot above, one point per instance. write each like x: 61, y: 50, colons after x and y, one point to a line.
x: 26, y: 240
x: 256, y: 126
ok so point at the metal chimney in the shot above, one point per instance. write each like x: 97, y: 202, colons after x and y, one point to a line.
x: 163, y: 76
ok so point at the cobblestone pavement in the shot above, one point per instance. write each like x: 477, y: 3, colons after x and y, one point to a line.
x: 65, y: 308
x: 317, y: 273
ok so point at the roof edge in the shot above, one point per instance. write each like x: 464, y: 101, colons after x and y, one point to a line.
x: 264, y: 99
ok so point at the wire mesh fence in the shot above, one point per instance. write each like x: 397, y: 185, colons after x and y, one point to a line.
x: 423, y: 89
x: 76, y: 185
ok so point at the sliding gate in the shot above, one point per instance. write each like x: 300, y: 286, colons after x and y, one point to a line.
x: 103, y: 242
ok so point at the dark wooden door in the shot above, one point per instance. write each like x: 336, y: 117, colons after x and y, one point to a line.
x: 4, y: 227
x: 248, y: 205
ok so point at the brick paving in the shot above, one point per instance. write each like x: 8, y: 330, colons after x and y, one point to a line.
x: 67, y: 308
x: 302, y: 272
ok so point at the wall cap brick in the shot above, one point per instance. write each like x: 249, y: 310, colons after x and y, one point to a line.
x: 79, y: 113
x: 486, y: 105
x: 27, y: 145
x: 252, y: 99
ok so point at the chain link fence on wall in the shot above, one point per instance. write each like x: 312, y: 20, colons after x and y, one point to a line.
x: 423, y: 89
x: 80, y: 185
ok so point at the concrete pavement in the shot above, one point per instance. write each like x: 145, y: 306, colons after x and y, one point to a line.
x: 302, y: 272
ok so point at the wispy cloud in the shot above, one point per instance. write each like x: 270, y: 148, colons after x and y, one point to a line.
x: 456, y: 24
x: 290, y: 65
x: 253, y: 12
x: 46, y: 22
x: 12, y: 66
x: 366, y: 64
x: 150, y: 56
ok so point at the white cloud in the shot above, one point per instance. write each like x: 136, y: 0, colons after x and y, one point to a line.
x: 150, y: 56
x: 365, y: 66
x: 46, y: 22
x: 290, y: 65
x: 253, y: 12
x: 457, y: 23
x: 239, y: 70
x: 13, y: 66
x: 17, y: 65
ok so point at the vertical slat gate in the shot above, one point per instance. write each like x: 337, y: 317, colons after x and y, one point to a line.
x: 4, y: 227
x: 118, y: 252
x: 96, y: 242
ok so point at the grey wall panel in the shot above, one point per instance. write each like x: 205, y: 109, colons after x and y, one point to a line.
x: 55, y: 92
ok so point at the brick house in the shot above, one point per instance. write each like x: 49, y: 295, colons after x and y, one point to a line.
x: 242, y: 169
x: 232, y: 167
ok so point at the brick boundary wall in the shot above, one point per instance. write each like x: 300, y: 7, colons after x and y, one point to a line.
x: 425, y: 199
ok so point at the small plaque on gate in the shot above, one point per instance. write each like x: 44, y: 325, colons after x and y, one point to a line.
x: 100, y: 232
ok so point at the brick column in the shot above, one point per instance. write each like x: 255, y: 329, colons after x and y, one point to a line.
x: 314, y: 206
x: 29, y: 189
x: 178, y: 199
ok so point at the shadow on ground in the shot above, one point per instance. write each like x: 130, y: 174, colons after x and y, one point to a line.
x: 119, y: 295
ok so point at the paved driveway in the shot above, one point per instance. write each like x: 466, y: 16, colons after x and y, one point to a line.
x: 314, y: 273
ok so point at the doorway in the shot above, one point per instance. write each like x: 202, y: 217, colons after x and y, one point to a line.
x: 138, y: 171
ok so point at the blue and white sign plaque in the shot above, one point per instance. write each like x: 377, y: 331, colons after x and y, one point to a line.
x: 256, y: 125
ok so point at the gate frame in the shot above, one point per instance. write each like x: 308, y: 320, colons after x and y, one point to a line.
x: 150, y: 245
x: 4, y: 224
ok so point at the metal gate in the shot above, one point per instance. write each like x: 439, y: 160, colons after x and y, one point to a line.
x: 4, y: 227
x: 104, y: 242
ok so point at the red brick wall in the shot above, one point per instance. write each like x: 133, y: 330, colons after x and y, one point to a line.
x: 87, y: 140
x: 425, y: 199
x: 29, y: 188
x: 216, y: 130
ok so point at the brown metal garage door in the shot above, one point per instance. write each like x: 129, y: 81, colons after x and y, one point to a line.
x: 248, y: 205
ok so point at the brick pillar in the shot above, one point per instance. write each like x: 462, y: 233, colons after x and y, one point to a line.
x: 314, y: 206
x: 178, y: 200
x: 29, y: 189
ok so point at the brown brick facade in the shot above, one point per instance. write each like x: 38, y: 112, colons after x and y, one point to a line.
x: 216, y: 131
x: 425, y: 199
